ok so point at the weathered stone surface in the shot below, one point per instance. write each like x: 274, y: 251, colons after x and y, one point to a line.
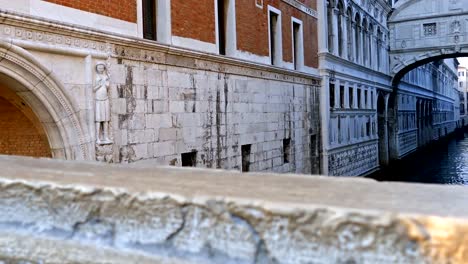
x: 61, y: 212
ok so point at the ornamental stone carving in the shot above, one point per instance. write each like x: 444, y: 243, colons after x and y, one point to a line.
x: 102, y: 104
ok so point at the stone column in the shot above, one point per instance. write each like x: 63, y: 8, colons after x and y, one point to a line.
x: 355, y: 97
x: 335, y: 25
x: 344, y: 26
x: 325, y: 121
x: 346, y: 95
x: 337, y: 94
x: 322, y: 26
x: 369, y: 100
x: 361, y: 46
x: 373, y: 53
x: 352, y: 44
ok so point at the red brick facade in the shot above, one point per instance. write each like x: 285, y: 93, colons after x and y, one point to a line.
x: 196, y: 20
x: 252, y: 29
x: 18, y: 135
x: 120, y: 9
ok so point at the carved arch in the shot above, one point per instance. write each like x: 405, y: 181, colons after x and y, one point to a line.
x: 44, y: 93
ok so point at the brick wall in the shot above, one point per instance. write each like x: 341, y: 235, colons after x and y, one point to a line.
x: 194, y: 19
x: 120, y: 9
x: 18, y: 136
x: 252, y: 29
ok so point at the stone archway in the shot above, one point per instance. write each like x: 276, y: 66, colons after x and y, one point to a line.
x: 37, y: 86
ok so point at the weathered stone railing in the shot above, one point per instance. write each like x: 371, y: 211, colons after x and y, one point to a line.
x: 73, y: 212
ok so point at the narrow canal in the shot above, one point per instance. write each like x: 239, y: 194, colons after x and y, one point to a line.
x: 444, y: 162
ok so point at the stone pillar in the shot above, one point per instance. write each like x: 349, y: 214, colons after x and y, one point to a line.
x: 322, y: 26
x: 346, y: 95
x: 337, y: 94
x: 325, y: 121
x: 344, y: 26
x: 335, y: 25
x: 355, y: 97
x: 373, y: 53
x: 361, y: 46
x: 369, y: 100
x: 352, y: 44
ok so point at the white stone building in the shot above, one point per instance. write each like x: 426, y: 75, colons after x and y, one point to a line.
x: 366, y: 119
x: 354, y: 67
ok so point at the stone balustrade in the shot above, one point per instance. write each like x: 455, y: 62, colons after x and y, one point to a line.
x: 56, y: 211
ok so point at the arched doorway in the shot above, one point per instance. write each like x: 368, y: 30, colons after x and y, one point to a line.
x: 34, y: 90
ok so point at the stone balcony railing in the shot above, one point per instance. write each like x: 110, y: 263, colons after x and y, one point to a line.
x: 75, y: 212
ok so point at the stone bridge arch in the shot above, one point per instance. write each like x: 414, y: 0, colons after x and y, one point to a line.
x: 422, y: 31
x: 46, y: 96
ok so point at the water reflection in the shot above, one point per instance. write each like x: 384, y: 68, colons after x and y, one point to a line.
x: 445, y: 162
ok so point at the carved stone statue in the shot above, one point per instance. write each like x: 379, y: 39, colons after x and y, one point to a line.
x: 102, y: 110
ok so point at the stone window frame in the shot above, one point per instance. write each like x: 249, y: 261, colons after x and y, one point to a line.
x: 231, y: 28
x: 279, y: 39
x: 163, y: 20
x: 300, y: 64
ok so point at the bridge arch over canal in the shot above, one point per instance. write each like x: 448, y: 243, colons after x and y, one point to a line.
x: 422, y: 31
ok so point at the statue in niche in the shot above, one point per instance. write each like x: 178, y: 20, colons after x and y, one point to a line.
x: 102, y: 110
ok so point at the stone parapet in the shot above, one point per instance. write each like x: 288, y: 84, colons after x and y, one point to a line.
x: 81, y: 212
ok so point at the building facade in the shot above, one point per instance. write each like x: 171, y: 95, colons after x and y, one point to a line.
x: 367, y: 118
x: 354, y: 67
x: 230, y: 84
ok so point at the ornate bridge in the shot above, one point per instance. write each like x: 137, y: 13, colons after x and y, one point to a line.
x: 426, y: 30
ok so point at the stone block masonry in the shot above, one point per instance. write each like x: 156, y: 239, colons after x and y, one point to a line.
x: 165, y: 110
x: 75, y: 212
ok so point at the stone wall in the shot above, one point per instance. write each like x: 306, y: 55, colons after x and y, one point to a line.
x: 161, y: 111
x: 166, y: 101
x: 70, y: 212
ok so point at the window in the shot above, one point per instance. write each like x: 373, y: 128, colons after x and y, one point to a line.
x: 245, y: 151
x: 275, y: 35
x: 222, y: 26
x: 342, y: 96
x: 359, y: 98
x: 461, y: 84
x: 365, y: 99
x: 298, y: 50
x: 332, y: 95
x: 430, y: 29
x: 287, y: 150
x: 351, y: 97
x: 149, y: 19
x: 189, y: 159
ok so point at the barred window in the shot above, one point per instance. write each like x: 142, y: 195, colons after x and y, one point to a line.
x: 430, y: 29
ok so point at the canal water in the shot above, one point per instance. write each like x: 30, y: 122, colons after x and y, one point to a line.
x: 444, y: 162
